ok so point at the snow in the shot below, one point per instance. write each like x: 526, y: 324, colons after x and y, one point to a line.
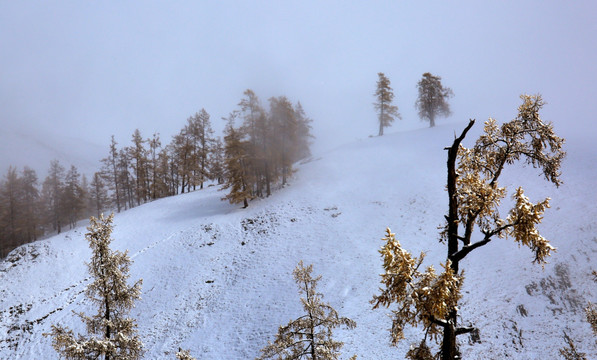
x: 217, y: 279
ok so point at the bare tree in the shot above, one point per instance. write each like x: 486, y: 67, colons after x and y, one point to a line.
x: 474, y: 196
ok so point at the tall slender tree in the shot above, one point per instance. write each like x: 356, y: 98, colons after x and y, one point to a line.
x: 236, y: 155
x: 30, y: 203
x: 112, y: 334
x: 51, y: 195
x: 384, y: 95
x: 110, y: 171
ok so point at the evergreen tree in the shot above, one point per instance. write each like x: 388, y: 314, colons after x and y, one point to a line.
x: 304, y: 137
x: 10, y: 212
x: 309, y: 336
x: 235, y: 149
x: 474, y: 196
x: 216, y: 161
x: 154, y: 146
x: 112, y: 333
x: 284, y: 125
x: 138, y: 156
x: 384, y: 95
x: 201, y: 133
x: 51, y: 195
x: 72, y: 197
x: 125, y: 179
x: 257, y: 128
x: 110, y: 171
x: 433, y: 98
x: 98, y: 195
x: 30, y: 203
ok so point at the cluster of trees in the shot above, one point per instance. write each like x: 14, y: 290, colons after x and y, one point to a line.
x: 431, y: 102
x: 259, y: 153
x: 250, y: 161
x: 27, y: 210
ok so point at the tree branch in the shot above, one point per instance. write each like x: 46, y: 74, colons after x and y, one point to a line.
x: 459, y: 255
x: 465, y: 330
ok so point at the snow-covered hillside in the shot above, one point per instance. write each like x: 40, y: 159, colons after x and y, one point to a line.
x: 217, y: 279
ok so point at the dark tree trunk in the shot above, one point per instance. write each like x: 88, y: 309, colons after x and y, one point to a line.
x: 449, y: 345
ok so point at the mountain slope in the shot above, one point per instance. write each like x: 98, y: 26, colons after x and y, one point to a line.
x: 217, y: 279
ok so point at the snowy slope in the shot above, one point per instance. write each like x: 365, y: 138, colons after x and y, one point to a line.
x: 218, y: 279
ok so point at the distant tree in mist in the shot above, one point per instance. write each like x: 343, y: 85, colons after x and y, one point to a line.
x: 384, y: 95
x: 51, y: 196
x: 259, y: 153
x: 431, y: 299
x: 433, y: 98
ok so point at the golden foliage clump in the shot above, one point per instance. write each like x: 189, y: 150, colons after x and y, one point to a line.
x: 309, y: 336
x: 420, y: 352
x: 570, y: 352
x: 524, y: 217
x: 526, y: 138
x: 422, y: 297
x: 184, y: 355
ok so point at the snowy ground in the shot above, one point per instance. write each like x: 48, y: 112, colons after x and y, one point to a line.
x: 218, y: 279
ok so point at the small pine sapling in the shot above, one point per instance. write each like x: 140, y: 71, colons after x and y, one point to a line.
x: 309, y: 336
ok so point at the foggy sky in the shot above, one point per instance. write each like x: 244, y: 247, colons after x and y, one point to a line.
x: 76, y: 72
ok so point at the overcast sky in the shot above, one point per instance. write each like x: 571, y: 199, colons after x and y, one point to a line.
x: 76, y: 72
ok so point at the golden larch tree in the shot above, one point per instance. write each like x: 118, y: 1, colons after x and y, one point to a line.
x: 430, y: 299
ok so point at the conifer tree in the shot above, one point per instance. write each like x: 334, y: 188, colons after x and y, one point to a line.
x: 433, y: 98
x: 309, y: 336
x: 110, y: 171
x: 237, y: 177
x: 30, y: 203
x: 10, y: 211
x: 384, y: 95
x: 112, y: 334
x: 431, y: 299
x: 201, y: 134
x: 51, y: 195
x: 216, y: 161
x: 284, y: 124
x: 304, y: 136
x: 257, y: 128
x: 72, y: 197
x: 98, y: 195
x: 154, y: 146
x: 138, y: 156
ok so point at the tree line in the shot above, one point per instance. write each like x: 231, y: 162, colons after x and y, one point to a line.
x: 252, y: 159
